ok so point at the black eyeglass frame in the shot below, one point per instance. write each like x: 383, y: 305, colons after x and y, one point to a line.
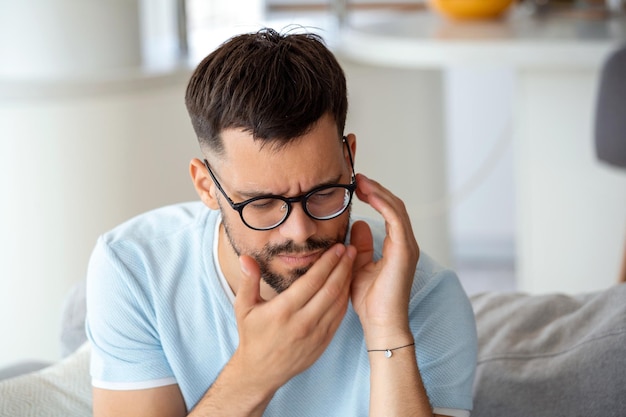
x: 290, y: 200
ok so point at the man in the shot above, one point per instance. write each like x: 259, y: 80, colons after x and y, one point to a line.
x: 265, y: 298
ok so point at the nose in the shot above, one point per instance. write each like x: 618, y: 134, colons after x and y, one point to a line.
x: 299, y: 226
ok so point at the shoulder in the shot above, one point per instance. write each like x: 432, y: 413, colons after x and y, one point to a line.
x: 154, y: 245
x: 160, y: 222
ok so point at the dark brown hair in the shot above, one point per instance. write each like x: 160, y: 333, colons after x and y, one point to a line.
x: 273, y: 85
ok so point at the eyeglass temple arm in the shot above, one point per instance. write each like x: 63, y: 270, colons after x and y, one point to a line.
x: 344, y: 139
x: 218, y: 185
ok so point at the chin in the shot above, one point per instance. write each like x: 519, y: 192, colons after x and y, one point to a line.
x: 280, y: 282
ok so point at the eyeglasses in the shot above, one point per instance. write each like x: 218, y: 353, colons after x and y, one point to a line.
x: 270, y: 211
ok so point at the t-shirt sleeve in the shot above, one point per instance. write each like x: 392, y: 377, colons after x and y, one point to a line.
x: 121, y: 323
x: 445, y: 335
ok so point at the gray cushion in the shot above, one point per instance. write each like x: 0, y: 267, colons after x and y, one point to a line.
x: 551, y: 355
x: 60, y: 390
x: 21, y: 368
x: 72, y: 332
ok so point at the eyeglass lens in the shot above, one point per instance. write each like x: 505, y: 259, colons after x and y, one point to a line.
x: 323, y: 204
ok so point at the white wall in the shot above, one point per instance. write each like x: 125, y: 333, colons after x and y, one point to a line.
x: 479, y: 108
x: 572, y: 207
x: 74, y: 167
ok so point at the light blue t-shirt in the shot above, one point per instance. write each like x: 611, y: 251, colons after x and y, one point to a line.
x: 158, y: 313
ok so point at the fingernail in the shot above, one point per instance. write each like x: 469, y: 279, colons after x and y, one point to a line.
x: 339, y: 250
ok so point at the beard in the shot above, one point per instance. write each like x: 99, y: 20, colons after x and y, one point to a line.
x: 264, y: 256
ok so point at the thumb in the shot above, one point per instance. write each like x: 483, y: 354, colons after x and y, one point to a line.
x: 361, y: 238
x: 248, y: 291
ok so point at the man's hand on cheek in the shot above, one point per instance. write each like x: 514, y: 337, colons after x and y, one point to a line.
x: 282, y: 337
x: 381, y: 289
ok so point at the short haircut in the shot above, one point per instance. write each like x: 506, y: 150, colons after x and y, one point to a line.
x: 272, y: 85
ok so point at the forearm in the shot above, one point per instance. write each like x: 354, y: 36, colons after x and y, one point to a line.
x: 396, y: 387
x: 234, y: 394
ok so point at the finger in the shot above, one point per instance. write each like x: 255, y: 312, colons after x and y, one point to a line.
x: 373, y: 193
x: 248, y: 291
x: 361, y: 238
x: 388, y: 205
x: 397, y: 221
x: 334, y: 293
x: 301, y: 291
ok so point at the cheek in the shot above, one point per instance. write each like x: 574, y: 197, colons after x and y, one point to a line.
x: 337, y: 228
x: 243, y: 239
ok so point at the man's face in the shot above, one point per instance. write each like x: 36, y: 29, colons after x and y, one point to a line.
x: 248, y: 170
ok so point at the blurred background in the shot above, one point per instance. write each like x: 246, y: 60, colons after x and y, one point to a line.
x: 483, y: 127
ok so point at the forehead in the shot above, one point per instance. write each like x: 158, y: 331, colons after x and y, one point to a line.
x: 305, y: 162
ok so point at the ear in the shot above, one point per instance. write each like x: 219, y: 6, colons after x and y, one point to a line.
x: 351, y: 139
x: 203, y: 183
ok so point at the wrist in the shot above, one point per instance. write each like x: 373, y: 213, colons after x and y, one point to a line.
x: 390, y: 351
x: 386, y: 327
x: 238, y: 384
x: 252, y: 379
x: 389, y: 337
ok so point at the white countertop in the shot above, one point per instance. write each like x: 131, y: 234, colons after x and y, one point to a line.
x: 427, y: 40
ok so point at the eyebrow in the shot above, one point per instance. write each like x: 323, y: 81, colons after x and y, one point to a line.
x: 252, y: 194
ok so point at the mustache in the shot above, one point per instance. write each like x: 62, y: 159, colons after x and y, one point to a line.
x: 291, y: 248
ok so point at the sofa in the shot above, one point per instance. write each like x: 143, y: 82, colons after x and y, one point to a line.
x: 539, y: 355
